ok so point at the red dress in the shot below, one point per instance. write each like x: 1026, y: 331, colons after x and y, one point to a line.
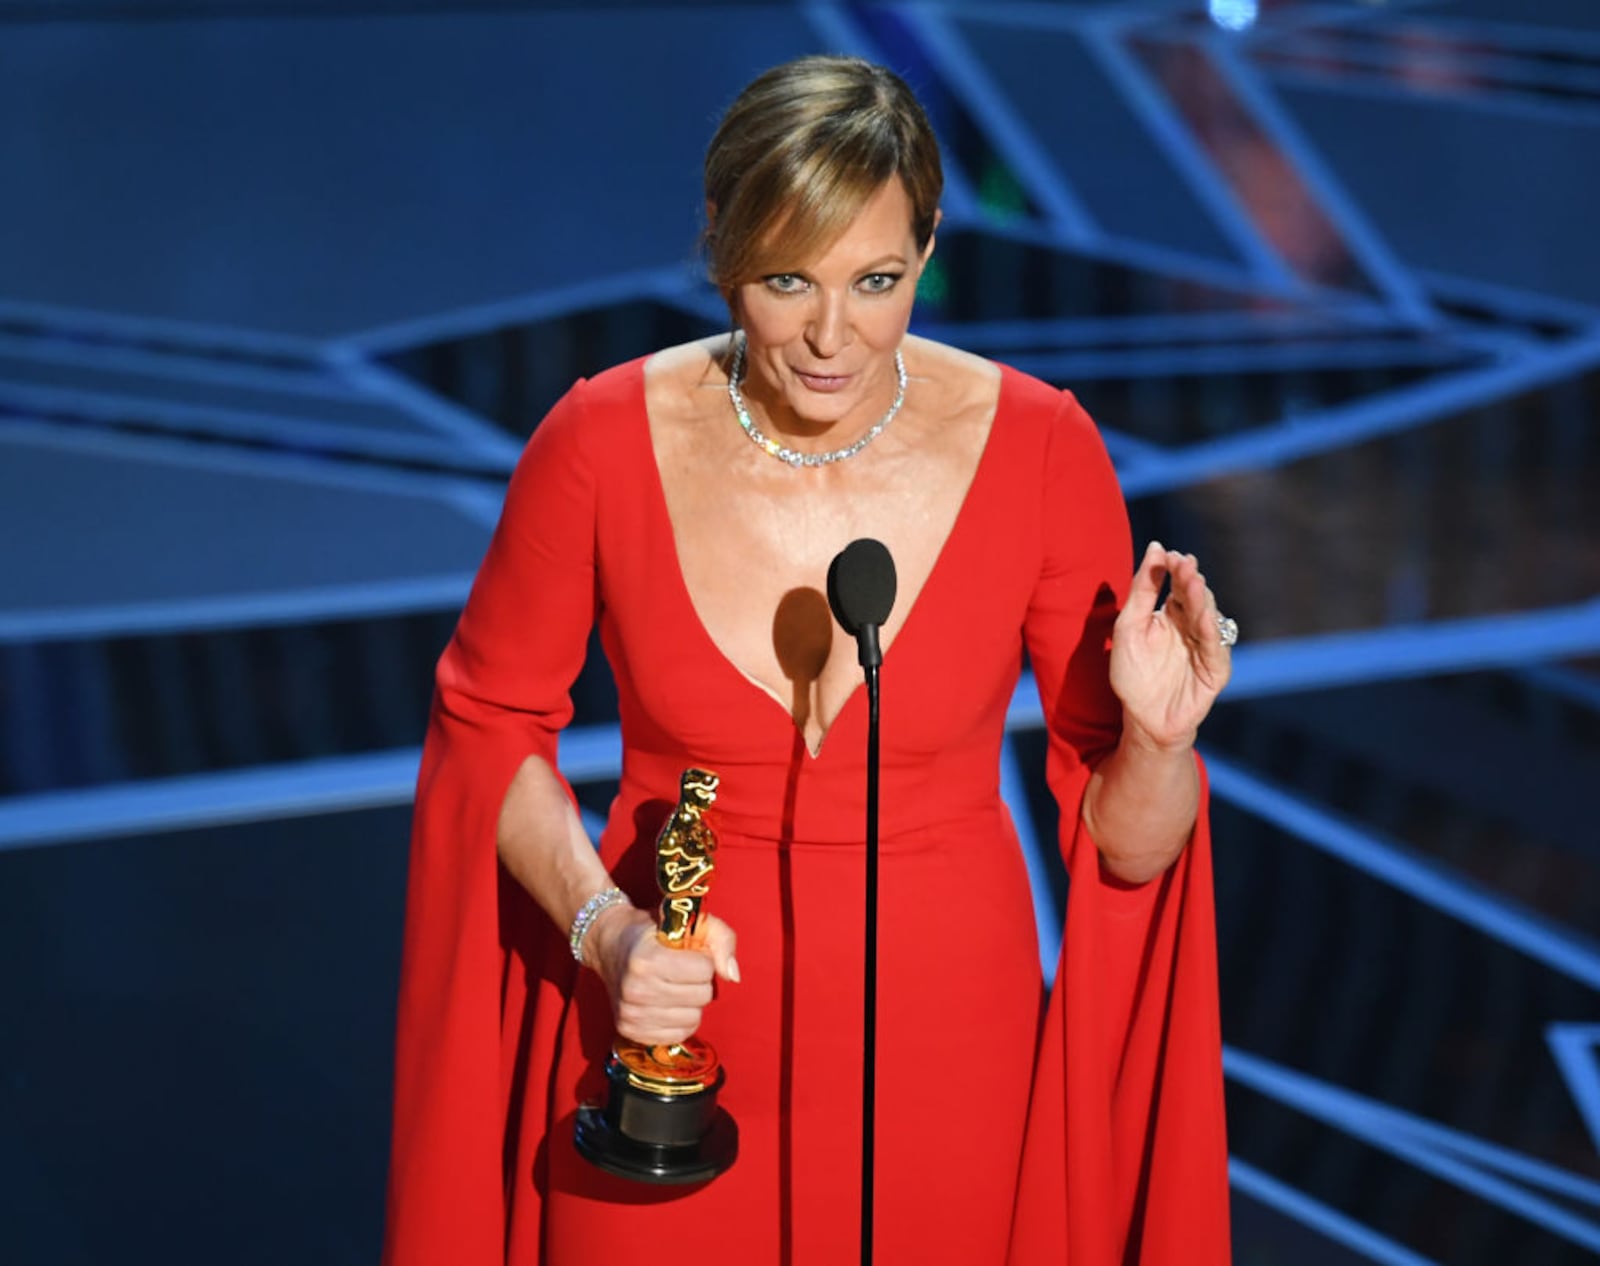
x: 1094, y: 1139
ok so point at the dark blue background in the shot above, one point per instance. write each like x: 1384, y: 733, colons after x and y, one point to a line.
x: 283, y: 287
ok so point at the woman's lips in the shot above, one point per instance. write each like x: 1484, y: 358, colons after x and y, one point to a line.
x: 823, y: 382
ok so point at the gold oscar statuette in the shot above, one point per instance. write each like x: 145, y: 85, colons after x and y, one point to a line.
x: 661, y: 1122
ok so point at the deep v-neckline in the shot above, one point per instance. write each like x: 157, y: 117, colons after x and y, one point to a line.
x: 664, y: 524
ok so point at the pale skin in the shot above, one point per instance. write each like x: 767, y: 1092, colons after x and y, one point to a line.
x: 754, y: 546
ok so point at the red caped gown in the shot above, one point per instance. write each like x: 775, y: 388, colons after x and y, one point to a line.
x: 1089, y: 1133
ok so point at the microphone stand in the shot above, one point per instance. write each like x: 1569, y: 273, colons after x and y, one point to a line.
x: 861, y: 585
x: 869, y: 1018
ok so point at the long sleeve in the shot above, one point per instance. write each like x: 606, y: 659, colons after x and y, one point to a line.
x: 1126, y: 1158
x: 502, y: 694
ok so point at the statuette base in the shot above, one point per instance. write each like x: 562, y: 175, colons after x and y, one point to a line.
x: 672, y: 1139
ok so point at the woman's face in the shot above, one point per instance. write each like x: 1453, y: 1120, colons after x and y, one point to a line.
x: 821, y: 336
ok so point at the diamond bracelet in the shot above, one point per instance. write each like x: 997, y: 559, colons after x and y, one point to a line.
x: 602, y: 900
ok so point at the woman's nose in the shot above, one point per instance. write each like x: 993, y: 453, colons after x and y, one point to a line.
x: 828, y: 332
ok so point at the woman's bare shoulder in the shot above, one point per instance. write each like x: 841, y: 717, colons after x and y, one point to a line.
x: 967, y: 385
x: 676, y: 378
x: 953, y: 360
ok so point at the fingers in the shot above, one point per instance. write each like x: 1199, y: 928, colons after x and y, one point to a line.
x: 662, y: 991
x: 1182, y: 572
x: 1190, y: 605
x: 1187, y: 592
x: 1146, y: 586
x: 720, y: 941
x: 1187, y: 595
x: 655, y: 1026
x: 674, y: 973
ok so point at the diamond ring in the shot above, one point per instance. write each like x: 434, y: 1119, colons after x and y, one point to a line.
x: 1228, y: 629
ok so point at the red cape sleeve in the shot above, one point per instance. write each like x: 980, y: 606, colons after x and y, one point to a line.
x: 1126, y: 1153
x: 502, y: 694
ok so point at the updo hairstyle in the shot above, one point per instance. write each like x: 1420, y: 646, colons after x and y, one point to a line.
x: 800, y: 152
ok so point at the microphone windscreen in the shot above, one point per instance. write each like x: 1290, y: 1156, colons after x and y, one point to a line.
x: 861, y: 585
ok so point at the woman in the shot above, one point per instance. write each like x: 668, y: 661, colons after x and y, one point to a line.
x: 643, y: 503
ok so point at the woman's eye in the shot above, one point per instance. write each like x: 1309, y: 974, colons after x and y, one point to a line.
x: 878, y: 283
x: 785, y: 283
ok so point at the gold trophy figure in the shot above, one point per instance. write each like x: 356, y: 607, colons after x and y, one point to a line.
x: 660, y: 1122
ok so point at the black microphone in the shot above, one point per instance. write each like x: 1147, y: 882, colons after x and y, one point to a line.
x: 861, y: 587
x: 861, y: 592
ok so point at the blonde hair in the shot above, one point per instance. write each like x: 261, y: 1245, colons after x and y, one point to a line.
x: 801, y: 151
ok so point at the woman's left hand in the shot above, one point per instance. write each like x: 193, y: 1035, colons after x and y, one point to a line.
x: 1168, y: 665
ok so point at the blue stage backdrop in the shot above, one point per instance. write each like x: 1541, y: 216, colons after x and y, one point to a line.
x: 284, y: 286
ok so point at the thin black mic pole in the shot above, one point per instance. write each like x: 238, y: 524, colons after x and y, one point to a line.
x: 869, y: 1017
x: 861, y: 587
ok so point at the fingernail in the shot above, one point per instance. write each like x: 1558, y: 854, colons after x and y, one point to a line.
x: 733, y: 970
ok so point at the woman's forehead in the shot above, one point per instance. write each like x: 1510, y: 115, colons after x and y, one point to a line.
x: 880, y: 230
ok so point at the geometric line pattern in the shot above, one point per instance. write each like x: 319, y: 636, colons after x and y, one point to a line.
x: 1323, y: 272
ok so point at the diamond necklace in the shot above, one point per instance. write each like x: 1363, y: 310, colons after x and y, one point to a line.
x: 808, y: 459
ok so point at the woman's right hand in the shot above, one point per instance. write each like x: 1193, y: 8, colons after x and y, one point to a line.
x: 657, y: 993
